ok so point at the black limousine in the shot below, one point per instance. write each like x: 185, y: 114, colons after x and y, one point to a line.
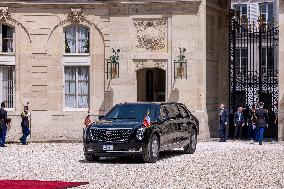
x: 141, y: 129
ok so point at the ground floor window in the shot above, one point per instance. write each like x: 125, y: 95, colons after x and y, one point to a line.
x: 7, y: 85
x: 76, y: 87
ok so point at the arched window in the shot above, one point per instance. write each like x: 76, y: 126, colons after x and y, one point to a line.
x: 77, y: 39
x: 6, y: 35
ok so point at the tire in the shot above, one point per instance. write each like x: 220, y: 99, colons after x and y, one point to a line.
x: 152, y: 150
x: 191, y: 146
x: 91, y: 158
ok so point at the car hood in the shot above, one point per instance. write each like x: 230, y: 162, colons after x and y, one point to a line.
x: 116, y: 125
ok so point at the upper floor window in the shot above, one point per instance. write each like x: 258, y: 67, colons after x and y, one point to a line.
x: 77, y: 39
x: 7, y: 36
x: 266, y: 11
x: 242, y: 9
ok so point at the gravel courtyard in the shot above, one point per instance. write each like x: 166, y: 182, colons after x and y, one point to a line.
x: 214, y: 165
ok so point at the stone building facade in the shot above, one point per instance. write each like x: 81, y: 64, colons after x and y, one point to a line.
x: 55, y: 56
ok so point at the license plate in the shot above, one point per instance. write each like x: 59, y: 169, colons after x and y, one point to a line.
x: 107, y: 147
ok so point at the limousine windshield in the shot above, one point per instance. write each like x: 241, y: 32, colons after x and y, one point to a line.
x: 135, y: 112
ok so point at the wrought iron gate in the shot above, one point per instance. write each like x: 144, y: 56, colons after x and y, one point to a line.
x: 253, y: 62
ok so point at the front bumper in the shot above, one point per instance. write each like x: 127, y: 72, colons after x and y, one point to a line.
x: 131, y: 148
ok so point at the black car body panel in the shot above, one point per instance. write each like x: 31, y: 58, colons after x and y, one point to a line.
x: 121, y: 132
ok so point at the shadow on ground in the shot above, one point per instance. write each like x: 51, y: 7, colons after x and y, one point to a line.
x: 133, y: 160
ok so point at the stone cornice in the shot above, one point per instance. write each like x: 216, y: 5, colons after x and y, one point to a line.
x: 90, y: 2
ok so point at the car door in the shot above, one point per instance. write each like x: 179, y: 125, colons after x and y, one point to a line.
x: 186, y: 123
x: 175, y: 135
x: 165, y: 127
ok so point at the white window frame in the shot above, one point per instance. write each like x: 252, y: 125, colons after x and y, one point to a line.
x: 266, y: 10
x: 76, y: 61
x: 241, y: 11
x: 1, y: 39
x: 77, y: 40
x: 77, y: 95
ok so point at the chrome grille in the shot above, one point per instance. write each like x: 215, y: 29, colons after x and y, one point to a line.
x: 117, y: 135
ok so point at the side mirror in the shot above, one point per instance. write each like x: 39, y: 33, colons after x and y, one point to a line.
x: 166, y: 118
x: 101, y: 117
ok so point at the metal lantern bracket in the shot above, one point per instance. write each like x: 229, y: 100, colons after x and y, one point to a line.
x: 180, y: 65
x: 113, y: 65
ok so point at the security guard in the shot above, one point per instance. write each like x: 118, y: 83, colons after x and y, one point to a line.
x: 3, y: 124
x: 261, y: 121
x: 25, y: 125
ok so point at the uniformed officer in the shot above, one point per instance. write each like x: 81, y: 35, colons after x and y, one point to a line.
x: 25, y: 125
x: 3, y: 124
x: 261, y: 121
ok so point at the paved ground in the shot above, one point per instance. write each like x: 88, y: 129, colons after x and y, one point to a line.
x: 214, y: 165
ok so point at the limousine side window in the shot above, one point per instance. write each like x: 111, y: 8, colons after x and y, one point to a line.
x: 163, y: 112
x: 183, y: 112
x: 173, y: 110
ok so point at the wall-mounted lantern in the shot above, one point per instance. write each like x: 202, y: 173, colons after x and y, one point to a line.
x: 113, y: 65
x: 180, y: 65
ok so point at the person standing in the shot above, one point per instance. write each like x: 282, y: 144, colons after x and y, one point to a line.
x: 3, y: 124
x: 25, y: 125
x: 239, y: 122
x: 224, y: 120
x: 261, y: 121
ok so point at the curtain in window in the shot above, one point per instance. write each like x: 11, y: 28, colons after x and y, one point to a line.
x: 83, y: 40
x: 10, y: 39
x: 7, y: 85
x: 70, y: 87
x: 83, y: 87
x: 7, y: 38
x: 70, y: 35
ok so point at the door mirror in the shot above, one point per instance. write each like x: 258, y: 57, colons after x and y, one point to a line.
x: 166, y: 118
x: 101, y: 117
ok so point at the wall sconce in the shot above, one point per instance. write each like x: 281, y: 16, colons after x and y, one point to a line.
x: 180, y: 65
x: 113, y: 65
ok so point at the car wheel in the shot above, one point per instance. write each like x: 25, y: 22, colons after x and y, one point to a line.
x: 191, y: 146
x: 152, y: 150
x: 91, y: 157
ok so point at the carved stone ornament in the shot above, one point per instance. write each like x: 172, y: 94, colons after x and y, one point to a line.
x: 151, y: 34
x: 76, y: 15
x: 140, y: 64
x: 4, y: 13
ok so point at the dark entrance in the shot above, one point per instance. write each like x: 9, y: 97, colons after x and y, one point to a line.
x: 151, y: 85
x: 254, y: 65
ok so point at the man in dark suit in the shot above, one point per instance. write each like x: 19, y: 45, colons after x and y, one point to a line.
x: 239, y: 122
x: 224, y: 120
x: 3, y: 124
x: 261, y: 121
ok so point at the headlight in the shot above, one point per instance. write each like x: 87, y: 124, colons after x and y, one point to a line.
x: 140, y: 133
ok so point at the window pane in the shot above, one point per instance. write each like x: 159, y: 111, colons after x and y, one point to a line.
x: 70, y: 39
x: 83, y: 40
x: 7, y: 83
x: 244, y: 9
x: 70, y: 87
x: 270, y: 12
x: 83, y: 87
x: 7, y: 38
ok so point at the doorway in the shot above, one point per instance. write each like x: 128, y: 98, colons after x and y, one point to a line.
x: 151, y: 85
